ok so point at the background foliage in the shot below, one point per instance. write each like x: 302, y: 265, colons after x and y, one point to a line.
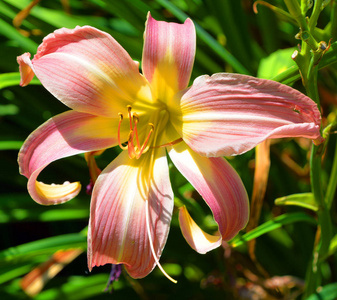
x: 230, y: 38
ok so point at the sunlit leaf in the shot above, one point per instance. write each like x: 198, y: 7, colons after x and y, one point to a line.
x: 305, y: 200
x: 55, y: 17
x: 45, y: 246
x: 278, y: 222
x: 276, y: 63
x: 11, y: 33
x: 13, y: 79
x: 328, y: 292
x: 333, y: 245
x: 78, y: 288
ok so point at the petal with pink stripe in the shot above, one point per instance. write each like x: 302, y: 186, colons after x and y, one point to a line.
x: 64, y: 135
x: 168, y: 56
x: 222, y: 189
x: 117, y: 228
x: 88, y: 71
x: 229, y: 114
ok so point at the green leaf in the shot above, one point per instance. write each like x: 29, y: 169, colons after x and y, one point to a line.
x: 44, y: 246
x: 57, y: 18
x: 333, y: 245
x: 10, y: 145
x: 233, y: 21
x: 80, y: 288
x: 13, y: 270
x: 12, y: 79
x: 305, y: 200
x: 276, y: 63
x: 8, y: 110
x: 328, y: 292
x: 272, y: 225
x: 12, y: 34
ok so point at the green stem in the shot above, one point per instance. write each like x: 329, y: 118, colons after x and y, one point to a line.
x: 318, y: 7
x: 304, y: 6
x: 305, y: 32
x: 330, y: 192
x: 291, y: 74
x: 324, y: 231
x: 333, y: 29
x: 294, y: 9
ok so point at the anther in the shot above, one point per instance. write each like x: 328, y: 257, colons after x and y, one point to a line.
x: 135, y: 118
x: 129, y: 112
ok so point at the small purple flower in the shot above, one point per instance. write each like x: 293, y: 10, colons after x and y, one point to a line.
x: 116, y: 271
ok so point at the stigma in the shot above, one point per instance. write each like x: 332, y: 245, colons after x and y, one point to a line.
x: 133, y: 146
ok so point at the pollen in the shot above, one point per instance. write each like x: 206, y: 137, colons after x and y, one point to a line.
x: 133, y: 146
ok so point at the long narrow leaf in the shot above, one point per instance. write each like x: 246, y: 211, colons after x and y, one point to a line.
x: 45, y: 246
x: 13, y: 79
x: 272, y: 225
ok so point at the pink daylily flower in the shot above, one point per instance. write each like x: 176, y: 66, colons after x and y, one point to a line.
x: 148, y: 115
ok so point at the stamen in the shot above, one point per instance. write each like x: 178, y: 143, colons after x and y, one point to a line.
x: 170, y: 143
x: 151, y: 244
x: 146, y: 141
x: 119, y: 132
x: 129, y: 112
x: 131, y: 148
x: 135, y: 121
x: 134, y: 150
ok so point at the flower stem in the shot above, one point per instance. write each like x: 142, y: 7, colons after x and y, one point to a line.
x: 324, y: 230
x: 330, y: 192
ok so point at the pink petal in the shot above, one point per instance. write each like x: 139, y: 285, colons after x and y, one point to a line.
x: 64, y: 135
x: 220, y: 186
x: 228, y: 114
x: 168, y: 56
x: 117, y: 229
x: 88, y: 71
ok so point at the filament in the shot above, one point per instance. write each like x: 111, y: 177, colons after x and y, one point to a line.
x: 169, y: 144
x: 151, y: 244
x: 141, y: 151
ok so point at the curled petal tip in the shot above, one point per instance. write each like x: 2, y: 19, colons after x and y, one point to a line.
x: 57, y: 193
x: 26, y: 69
x: 199, y: 240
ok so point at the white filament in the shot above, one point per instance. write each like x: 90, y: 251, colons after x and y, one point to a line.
x: 151, y: 244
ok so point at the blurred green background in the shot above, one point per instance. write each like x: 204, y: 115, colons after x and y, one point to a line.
x: 230, y: 38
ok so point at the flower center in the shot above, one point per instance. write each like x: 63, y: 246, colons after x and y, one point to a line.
x: 133, y: 145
